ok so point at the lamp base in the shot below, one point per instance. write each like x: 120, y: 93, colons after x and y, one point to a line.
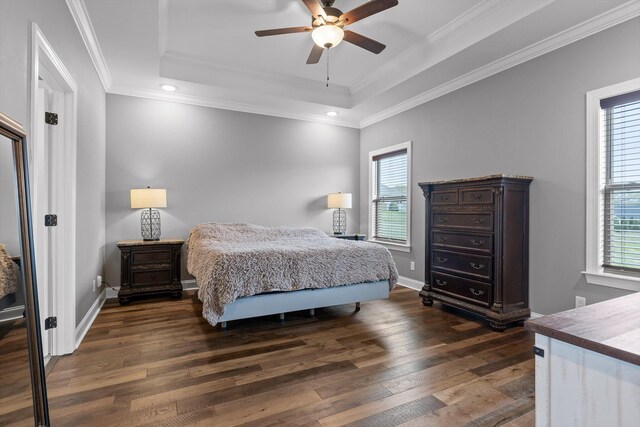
x: 339, y: 221
x: 150, y: 224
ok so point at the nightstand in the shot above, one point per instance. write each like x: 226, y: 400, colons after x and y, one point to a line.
x: 349, y: 236
x: 149, y: 268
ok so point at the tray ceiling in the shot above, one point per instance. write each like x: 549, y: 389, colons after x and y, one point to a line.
x: 209, y: 51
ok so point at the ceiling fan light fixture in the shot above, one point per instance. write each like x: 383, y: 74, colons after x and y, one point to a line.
x: 327, y: 36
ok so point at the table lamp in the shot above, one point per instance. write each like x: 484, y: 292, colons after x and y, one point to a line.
x: 339, y: 201
x: 147, y: 199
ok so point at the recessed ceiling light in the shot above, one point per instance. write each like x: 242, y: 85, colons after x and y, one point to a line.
x: 168, y: 88
x: 332, y: 113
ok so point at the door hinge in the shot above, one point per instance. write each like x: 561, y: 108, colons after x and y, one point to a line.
x: 538, y: 351
x: 51, y: 118
x: 50, y: 220
x: 50, y: 322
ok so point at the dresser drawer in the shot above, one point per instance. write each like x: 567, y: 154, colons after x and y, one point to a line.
x: 471, y: 290
x: 481, y: 243
x: 151, y: 277
x: 151, y: 256
x: 444, y: 197
x: 472, y: 265
x: 476, y: 196
x: 471, y: 220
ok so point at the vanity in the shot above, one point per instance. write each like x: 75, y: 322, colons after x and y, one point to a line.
x: 588, y: 365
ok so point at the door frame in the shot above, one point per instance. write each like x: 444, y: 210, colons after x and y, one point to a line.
x: 45, y: 62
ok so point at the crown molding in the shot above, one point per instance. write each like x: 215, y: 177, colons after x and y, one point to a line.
x: 228, y: 105
x: 83, y: 22
x: 478, y: 23
x: 585, y: 29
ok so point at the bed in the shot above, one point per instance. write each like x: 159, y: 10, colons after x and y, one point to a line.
x: 8, y: 279
x: 246, y: 270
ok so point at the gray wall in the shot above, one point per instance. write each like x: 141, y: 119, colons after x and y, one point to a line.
x: 56, y: 23
x: 222, y: 166
x: 528, y: 120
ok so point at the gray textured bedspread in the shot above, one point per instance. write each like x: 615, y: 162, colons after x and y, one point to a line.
x: 230, y: 261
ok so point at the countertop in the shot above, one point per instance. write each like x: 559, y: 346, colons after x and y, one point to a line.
x: 611, y: 327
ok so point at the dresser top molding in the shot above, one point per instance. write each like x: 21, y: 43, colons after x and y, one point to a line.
x: 479, y: 178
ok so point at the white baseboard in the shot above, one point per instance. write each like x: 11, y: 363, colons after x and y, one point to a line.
x: 188, y: 285
x: 11, y: 313
x: 88, y: 319
x: 112, y: 293
x: 410, y: 283
x: 535, y: 315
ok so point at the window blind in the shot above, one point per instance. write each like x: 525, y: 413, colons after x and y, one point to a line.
x: 621, y: 168
x: 389, y: 204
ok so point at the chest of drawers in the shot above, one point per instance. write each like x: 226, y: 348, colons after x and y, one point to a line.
x: 477, y: 246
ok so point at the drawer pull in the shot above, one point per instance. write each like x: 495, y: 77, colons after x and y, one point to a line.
x: 476, y: 266
x: 444, y: 197
x: 476, y: 196
x: 478, y: 242
x: 478, y: 220
x: 442, y: 239
x: 442, y: 218
x: 442, y: 260
x: 441, y: 282
x: 476, y: 293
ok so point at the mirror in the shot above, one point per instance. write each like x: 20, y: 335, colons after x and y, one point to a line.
x: 23, y: 397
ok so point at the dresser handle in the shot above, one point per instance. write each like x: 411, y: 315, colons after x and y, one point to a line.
x: 476, y: 266
x: 442, y: 239
x: 476, y: 293
x: 478, y: 220
x: 441, y: 282
x: 442, y: 260
x: 444, y: 197
x: 476, y: 196
x: 442, y: 218
x: 478, y: 242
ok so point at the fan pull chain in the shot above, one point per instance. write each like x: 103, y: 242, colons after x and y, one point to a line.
x: 328, y: 50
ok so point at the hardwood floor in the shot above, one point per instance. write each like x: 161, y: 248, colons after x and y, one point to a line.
x: 157, y: 362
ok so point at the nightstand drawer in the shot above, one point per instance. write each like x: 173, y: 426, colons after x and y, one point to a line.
x: 147, y: 257
x: 152, y: 277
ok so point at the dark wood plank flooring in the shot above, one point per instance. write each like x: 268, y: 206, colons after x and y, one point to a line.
x: 158, y: 362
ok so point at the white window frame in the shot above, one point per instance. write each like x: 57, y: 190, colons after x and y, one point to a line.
x: 596, y: 145
x: 402, y: 247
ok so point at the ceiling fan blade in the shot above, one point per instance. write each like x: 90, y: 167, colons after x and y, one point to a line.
x: 316, y: 53
x: 370, y: 8
x: 277, y: 31
x: 363, y: 42
x: 315, y: 8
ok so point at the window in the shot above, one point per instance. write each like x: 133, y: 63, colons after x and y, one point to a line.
x: 613, y: 186
x: 389, y: 210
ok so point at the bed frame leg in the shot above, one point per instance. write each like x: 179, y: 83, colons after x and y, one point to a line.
x: 358, y: 306
x: 312, y: 312
x: 223, y: 325
x: 282, y: 317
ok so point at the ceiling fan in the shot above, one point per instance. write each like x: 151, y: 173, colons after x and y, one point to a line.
x: 327, y: 25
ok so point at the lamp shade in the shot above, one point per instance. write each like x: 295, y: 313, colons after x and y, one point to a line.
x: 339, y: 201
x: 143, y: 198
x: 327, y: 35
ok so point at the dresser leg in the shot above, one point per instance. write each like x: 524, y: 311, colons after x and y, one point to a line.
x: 498, y: 327
x: 176, y: 295
x: 427, y: 301
x: 124, y: 301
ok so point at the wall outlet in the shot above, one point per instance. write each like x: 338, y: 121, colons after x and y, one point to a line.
x: 94, y: 286
x: 412, y: 265
x: 580, y: 301
x: 99, y: 281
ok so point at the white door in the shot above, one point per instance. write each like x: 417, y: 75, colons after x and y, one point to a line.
x: 42, y: 205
